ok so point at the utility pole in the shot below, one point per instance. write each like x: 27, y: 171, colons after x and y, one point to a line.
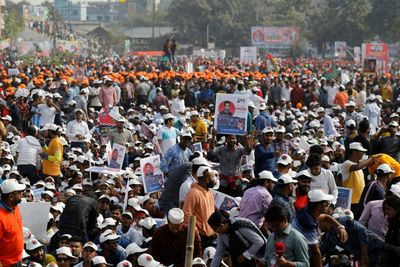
x: 54, y: 31
x: 208, y: 35
x: 154, y: 17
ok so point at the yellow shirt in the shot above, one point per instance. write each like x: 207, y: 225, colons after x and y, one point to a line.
x: 353, y: 180
x: 383, y: 158
x: 200, y: 130
x: 52, y: 165
x: 386, y: 92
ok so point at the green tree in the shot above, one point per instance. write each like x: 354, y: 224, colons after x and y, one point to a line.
x: 230, y: 21
x: 14, y: 22
x: 337, y: 20
x: 384, y: 20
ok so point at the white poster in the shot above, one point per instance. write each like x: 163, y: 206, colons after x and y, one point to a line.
x: 153, y: 178
x: 231, y: 114
x: 223, y: 201
x: 248, y: 54
x: 35, y: 216
x: 116, y: 157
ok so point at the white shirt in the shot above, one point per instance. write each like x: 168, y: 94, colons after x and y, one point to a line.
x: 373, y: 112
x: 361, y: 99
x: 95, y: 101
x: 331, y: 93
x: 29, y: 149
x: 185, y: 187
x: 77, y: 127
x: 178, y: 105
x: 286, y: 93
x: 167, y: 136
x: 326, y: 182
x: 47, y: 114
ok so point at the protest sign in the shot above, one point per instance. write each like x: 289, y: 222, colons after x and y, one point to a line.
x: 223, y: 201
x: 146, y: 131
x: 13, y: 72
x: 344, y: 197
x: 116, y: 157
x: 37, y: 193
x: 231, y: 114
x: 35, y: 216
x: 105, y: 170
x: 197, y: 147
x: 153, y: 178
x: 248, y: 54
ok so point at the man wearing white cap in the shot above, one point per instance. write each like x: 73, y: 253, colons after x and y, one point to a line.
x: 200, y: 203
x: 327, y: 121
x: 52, y: 154
x: 110, y: 249
x: 168, y: 134
x: 88, y: 253
x: 352, y: 172
x: 308, y: 220
x: 199, y: 126
x: 78, y: 131
x: 170, y: 239
x: 37, y: 253
x: 376, y: 190
x: 64, y: 257
x: 256, y: 200
x: 178, y: 153
x: 264, y: 119
x: 284, y: 196
x: 12, y: 237
x: 373, y: 112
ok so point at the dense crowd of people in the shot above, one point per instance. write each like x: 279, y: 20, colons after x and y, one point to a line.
x: 310, y: 136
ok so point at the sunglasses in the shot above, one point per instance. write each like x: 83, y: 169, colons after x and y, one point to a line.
x: 62, y: 259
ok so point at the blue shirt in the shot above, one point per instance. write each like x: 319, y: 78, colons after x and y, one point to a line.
x: 174, y: 156
x: 286, y: 203
x: 264, y: 159
x: 263, y: 120
x: 305, y: 223
x: 206, y: 95
x: 359, y: 236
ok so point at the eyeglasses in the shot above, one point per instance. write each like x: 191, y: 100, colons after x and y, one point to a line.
x: 62, y: 259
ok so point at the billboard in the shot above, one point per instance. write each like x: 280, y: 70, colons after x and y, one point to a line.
x: 34, y: 14
x: 274, y: 37
x: 377, y: 55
